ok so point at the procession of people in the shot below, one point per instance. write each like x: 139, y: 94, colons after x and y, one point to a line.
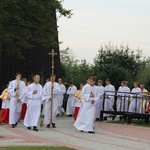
x: 22, y: 100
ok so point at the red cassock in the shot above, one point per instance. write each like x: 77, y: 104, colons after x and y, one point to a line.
x: 23, y: 111
x: 148, y: 107
x: 4, y: 115
x: 78, y: 103
x: 76, y: 111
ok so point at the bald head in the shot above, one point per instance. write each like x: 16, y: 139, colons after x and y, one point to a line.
x: 36, y: 78
x: 60, y: 81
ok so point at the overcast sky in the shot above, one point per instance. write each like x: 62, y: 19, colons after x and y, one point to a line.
x: 96, y: 22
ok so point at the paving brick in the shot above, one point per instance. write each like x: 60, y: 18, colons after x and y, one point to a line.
x: 108, y: 136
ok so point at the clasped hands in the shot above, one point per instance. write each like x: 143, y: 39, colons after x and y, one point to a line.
x: 35, y: 91
x: 17, y: 88
x: 92, y: 95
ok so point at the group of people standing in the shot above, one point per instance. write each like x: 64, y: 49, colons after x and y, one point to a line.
x: 136, y: 100
x: 22, y: 100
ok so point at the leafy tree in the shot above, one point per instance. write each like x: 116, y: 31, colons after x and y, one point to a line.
x: 72, y: 69
x: 25, y: 22
x: 117, y: 63
x: 86, y: 69
x: 143, y: 76
x: 67, y: 57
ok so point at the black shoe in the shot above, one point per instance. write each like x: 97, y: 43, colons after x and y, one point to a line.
x: 120, y: 118
x: 13, y: 126
x: 57, y: 115
x: 16, y: 124
x: 125, y: 118
x: 48, y: 125
x: 105, y: 118
x: 97, y: 119
x: 81, y: 130
x: 35, y: 128
x: 53, y: 125
x: 92, y: 132
x: 113, y: 118
x: 69, y: 115
x: 29, y: 128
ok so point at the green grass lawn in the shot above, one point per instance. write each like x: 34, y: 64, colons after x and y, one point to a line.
x: 36, y: 148
x: 134, y: 122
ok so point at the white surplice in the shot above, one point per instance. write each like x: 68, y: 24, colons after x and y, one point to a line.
x: 5, y: 104
x: 71, y: 100
x: 109, y: 98
x: 121, y: 98
x: 34, y: 102
x: 78, y: 103
x: 15, y: 106
x: 127, y: 98
x: 24, y: 98
x: 136, y: 95
x: 60, y: 97
x: 99, y: 103
x: 47, y: 91
x: 87, y: 113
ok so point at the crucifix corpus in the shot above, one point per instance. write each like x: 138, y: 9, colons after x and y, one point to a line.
x: 52, y: 54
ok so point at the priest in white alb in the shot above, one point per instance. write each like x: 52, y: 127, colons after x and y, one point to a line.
x: 90, y: 94
x: 16, y: 90
x: 136, y: 95
x: 60, y: 110
x: 47, y: 91
x: 99, y: 103
x: 121, y: 97
x: 109, y: 98
x: 34, y: 96
x: 71, y: 99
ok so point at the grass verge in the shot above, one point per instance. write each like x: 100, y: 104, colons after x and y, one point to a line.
x: 35, y: 148
x: 134, y: 122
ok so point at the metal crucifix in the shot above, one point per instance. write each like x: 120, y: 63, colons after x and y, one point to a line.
x: 53, y: 54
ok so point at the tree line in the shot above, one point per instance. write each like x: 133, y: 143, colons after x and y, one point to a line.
x: 115, y: 62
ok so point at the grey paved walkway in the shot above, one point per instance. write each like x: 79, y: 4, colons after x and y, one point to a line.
x: 107, y: 137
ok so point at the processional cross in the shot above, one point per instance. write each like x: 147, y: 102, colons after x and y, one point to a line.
x: 53, y: 54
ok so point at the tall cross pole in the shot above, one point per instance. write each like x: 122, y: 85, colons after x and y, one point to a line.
x: 53, y: 54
